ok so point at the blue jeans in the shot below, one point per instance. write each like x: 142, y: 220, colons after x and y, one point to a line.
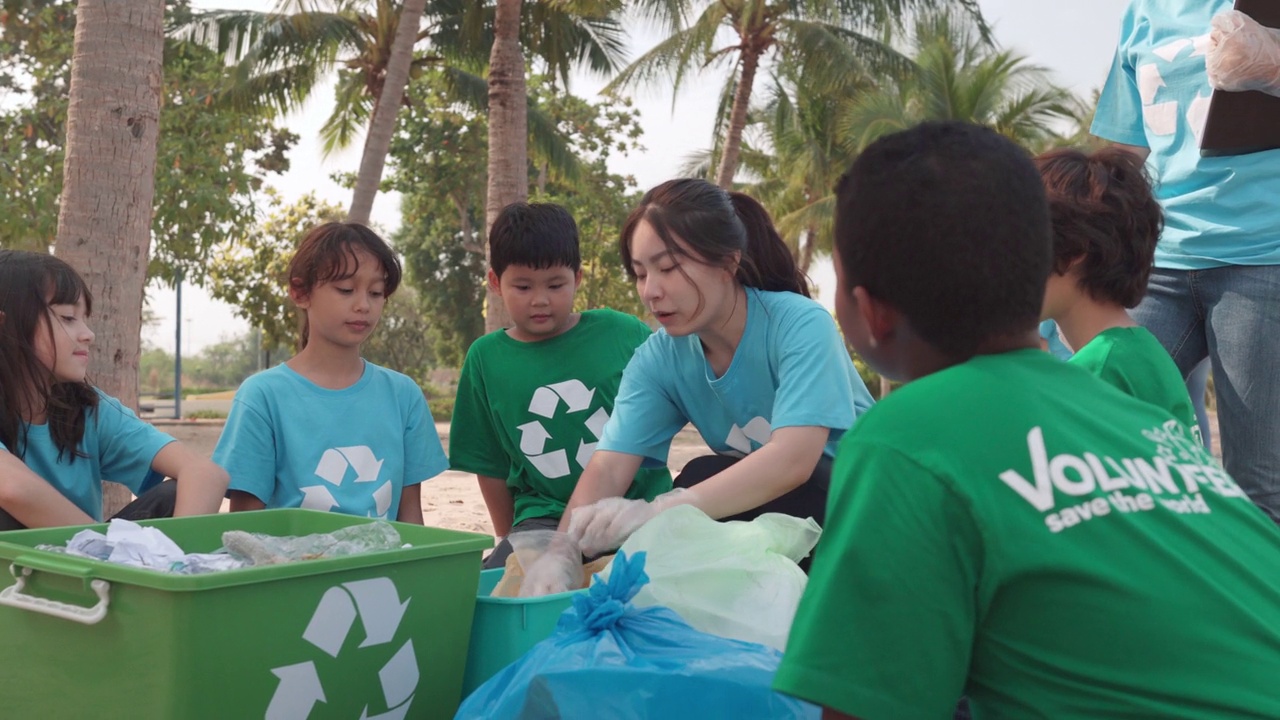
x: 1232, y: 316
x: 1196, y: 385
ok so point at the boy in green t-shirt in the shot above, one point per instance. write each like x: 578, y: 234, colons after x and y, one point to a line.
x: 1006, y: 526
x: 1105, y: 226
x: 533, y: 399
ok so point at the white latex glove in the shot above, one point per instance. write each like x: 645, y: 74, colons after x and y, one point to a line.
x: 1243, y: 55
x: 555, y: 568
x: 606, y: 524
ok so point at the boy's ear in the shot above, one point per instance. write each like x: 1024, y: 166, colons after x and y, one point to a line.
x: 494, y: 283
x: 1074, y: 264
x: 881, y: 318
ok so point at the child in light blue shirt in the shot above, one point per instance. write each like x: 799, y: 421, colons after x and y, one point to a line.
x: 328, y: 430
x: 60, y: 437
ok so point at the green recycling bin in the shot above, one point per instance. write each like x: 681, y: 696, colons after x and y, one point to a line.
x: 378, y: 635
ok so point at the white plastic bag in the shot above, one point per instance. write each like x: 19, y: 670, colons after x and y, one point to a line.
x: 734, y: 579
x: 1243, y: 55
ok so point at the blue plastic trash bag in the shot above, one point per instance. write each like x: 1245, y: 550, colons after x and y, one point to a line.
x: 609, y: 659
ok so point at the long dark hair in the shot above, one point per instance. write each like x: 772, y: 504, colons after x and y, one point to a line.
x: 328, y: 254
x: 29, y: 283
x: 716, y: 224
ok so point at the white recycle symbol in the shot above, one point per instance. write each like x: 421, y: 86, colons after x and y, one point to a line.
x: 1160, y: 115
x: 378, y: 605
x: 533, y: 436
x: 333, y: 469
x: 740, y: 439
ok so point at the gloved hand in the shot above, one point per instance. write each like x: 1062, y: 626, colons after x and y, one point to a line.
x: 1243, y: 55
x: 606, y: 524
x: 551, y: 560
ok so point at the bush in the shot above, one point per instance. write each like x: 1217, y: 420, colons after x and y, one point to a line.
x: 441, y: 409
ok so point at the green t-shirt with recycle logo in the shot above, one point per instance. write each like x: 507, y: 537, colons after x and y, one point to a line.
x: 1015, y: 530
x: 532, y: 412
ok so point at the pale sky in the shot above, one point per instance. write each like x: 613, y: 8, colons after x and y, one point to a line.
x: 1074, y: 39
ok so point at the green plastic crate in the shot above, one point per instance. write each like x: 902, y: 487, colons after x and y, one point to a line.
x: 505, y: 628
x: 379, y: 635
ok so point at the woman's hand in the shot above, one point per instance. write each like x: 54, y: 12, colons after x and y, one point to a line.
x: 1243, y: 55
x: 606, y: 524
x: 557, y: 569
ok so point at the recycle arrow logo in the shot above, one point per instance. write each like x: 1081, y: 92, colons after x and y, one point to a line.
x: 1163, y: 107
x: 546, y: 402
x: 377, y: 603
x: 333, y: 469
x: 741, y: 438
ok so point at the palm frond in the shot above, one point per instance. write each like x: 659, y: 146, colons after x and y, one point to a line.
x: 674, y: 57
x: 546, y: 142
x: 351, y: 111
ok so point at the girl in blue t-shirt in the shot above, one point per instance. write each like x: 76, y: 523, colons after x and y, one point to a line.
x: 743, y: 354
x: 59, y: 436
x: 327, y: 430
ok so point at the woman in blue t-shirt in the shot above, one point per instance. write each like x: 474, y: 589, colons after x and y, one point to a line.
x: 60, y: 437
x: 743, y: 354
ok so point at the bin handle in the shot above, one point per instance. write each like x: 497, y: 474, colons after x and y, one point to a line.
x: 13, y: 596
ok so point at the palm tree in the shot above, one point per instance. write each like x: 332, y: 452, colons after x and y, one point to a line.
x: 383, y: 123
x: 285, y: 54
x: 104, y: 218
x: 823, y: 41
x: 958, y: 76
x: 955, y: 75
x: 508, y: 133
x: 807, y: 158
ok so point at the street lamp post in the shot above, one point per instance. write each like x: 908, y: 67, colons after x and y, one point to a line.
x: 177, y: 352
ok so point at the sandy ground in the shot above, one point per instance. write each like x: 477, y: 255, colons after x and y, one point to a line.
x: 450, y: 500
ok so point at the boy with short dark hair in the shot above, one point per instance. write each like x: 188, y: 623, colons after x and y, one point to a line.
x: 1105, y: 226
x: 1005, y: 525
x: 533, y: 398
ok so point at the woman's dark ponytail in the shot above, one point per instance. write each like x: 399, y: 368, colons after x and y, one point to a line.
x: 767, y: 263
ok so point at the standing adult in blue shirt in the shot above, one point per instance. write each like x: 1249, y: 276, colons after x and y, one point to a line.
x: 1215, y: 290
x: 743, y: 354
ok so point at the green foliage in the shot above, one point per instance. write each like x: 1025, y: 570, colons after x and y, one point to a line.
x: 209, y: 160
x: 400, y: 341
x: 441, y: 409
x: 806, y: 139
x: 218, y: 367
x: 819, y: 43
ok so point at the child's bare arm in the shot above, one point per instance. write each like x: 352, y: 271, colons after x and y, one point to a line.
x: 201, y: 483
x: 502, y: 507
x: 32, y: 501
x: 410, y: 504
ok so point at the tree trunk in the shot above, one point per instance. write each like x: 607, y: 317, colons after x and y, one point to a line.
x: 738, y: 119
x: 382, y: 125
x: 808, y: 245
x: 108, y: 181
x: 508, y: 134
